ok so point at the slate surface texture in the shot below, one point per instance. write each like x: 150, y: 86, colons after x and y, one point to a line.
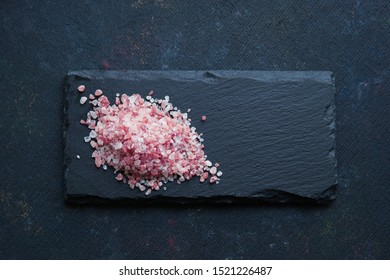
x: 272, y: 133
x: 42, y: 40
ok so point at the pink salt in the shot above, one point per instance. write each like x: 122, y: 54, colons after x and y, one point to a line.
x: 81, y: 88
x: 83, y: 100
x: 119, y: 177
x: 149, y: 141
x: 213, y: 179
x: 98, y: 92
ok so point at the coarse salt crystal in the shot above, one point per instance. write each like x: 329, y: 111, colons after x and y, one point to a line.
x: 93, y: 114
x: 117, y: 145
x: 78, y: 156
x: 98, y: 92
x: 81, y: 88
x: 83, y: 100
x: 203, y: 118
x: 92, y: 134
x: 213, y: 170
x: 219, y: 173
x: 148, y: 191
x: 213, y: 179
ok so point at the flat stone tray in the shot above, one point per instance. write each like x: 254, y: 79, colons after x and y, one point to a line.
x: 273, y: 134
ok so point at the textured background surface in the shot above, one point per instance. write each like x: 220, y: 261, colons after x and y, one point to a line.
x: 42, y: 40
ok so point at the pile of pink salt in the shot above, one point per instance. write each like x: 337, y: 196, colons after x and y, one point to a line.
x: 147, y: 142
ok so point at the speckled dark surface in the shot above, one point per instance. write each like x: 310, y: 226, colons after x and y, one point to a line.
x: 273, y: 134
x: 42, y: 40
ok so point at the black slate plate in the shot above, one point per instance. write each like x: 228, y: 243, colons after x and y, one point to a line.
x: 272, y: 132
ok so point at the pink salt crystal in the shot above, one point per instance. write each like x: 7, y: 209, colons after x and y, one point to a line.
x: 91, y: 96
x: 213, y: 179
x: 81, y: 88
x: 201, y: 179
x: 148, y: 191
x: 151, y: 93
x: 98, y: 161
x: 92, y: 134
x: 93, y: 114
x: 98, y: 92
x: 213, y: 170
x: 119, y: 177
x: 83, y: 100
x: 203, y: 118
x: 205, y: 175
x: 216, y: 164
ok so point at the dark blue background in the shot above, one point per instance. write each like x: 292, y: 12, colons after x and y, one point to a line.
x: 41, y: 40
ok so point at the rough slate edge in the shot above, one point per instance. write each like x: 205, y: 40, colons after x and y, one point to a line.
x: 271, y: 196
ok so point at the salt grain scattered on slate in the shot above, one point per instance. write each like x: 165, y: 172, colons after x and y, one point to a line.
x: 83, y: 100
x: 98, y: 92
x: 148, y: 142
x: 81, y: 88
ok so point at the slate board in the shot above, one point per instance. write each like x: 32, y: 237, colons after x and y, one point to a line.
x: 272, y: 132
